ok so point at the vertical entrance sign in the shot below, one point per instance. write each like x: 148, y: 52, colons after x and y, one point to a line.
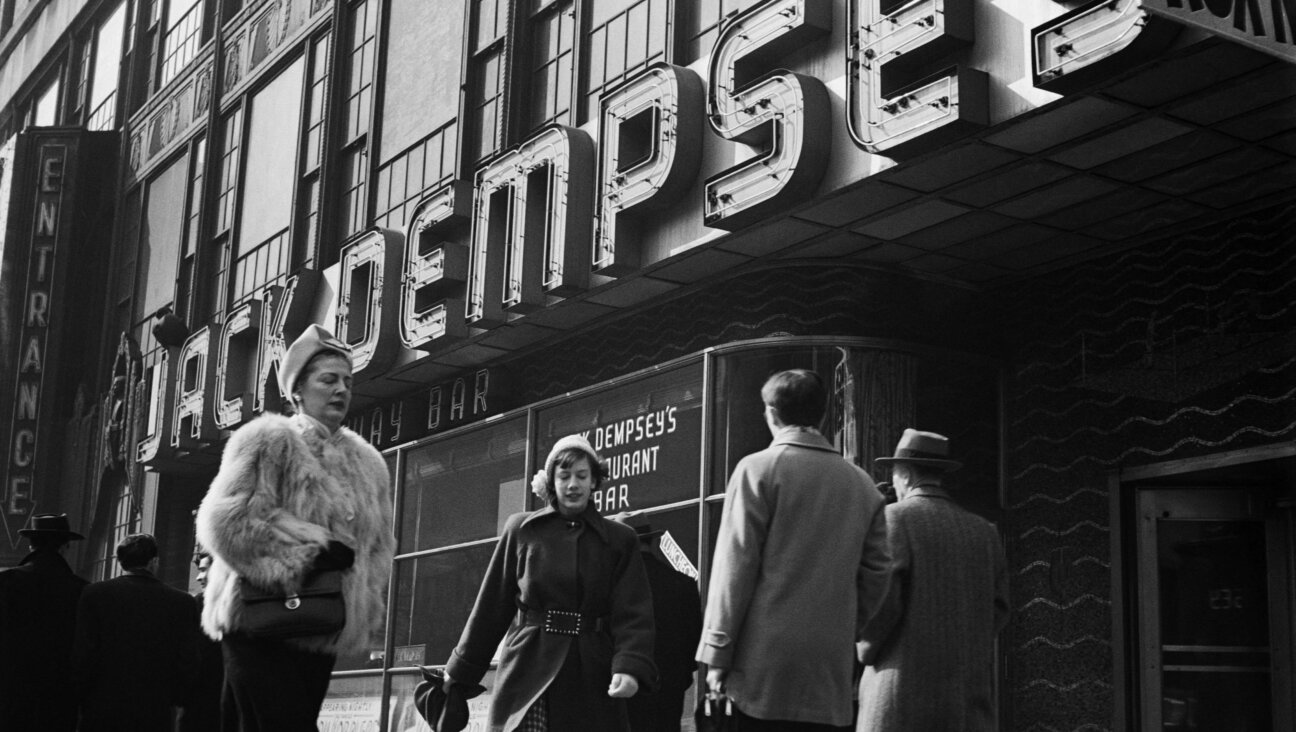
x: 60, y: 178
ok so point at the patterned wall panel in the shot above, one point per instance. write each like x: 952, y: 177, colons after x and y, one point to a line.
x: 793, y: 300
x: 1182, y: 348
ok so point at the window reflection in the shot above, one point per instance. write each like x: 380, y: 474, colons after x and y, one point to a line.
x: 463, y: 488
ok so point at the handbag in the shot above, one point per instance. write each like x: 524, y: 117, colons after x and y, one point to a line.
x: 443, y: 712
x: 715, y: 713
x: 316, y: 609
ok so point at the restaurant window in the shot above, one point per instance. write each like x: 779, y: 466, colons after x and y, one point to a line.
x: 456, y: 493
x: 874, y: 394
x: 649, y: 431
x: 671, y: 435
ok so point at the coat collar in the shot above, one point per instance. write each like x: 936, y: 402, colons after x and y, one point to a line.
x: 47, y: 560
x: 590, y: 516
x: 928, y: 491
x: 802, y: 437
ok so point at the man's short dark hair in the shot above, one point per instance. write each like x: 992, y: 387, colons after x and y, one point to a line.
x: 137, y: 550
x: 798, y: 395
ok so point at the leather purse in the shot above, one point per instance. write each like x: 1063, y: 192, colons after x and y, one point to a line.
x: 316, y: 609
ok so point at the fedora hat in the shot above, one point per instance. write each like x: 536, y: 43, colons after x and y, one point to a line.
x: 51, y: 524
x: 312, y: 340
x: 922, y: 448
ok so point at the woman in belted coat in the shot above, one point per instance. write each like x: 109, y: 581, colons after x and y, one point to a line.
x: 567, y: 591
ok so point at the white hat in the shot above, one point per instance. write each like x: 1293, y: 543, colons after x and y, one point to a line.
x: 576, y: 442
x: 313, y: 340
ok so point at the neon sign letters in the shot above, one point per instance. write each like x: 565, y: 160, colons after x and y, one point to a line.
x: 542, y: 219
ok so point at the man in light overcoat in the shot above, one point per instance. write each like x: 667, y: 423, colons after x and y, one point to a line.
x: 800, y: 559
x: 929, y: 651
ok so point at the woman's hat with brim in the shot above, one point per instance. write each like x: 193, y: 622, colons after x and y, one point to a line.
x: 922, y: 448
x: 571, y: 442
x: 310, y: 343
x: 51, y: 524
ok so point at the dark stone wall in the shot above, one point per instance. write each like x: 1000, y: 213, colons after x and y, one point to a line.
x: 794, y: 299
x: 1183, y: 348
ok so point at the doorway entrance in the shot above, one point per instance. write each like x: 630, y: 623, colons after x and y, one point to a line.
x: 1214, y: 606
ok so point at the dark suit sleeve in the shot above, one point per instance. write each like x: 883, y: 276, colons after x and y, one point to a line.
x: 185, y: 661
x: 85, y: 645
x: 633, y: 630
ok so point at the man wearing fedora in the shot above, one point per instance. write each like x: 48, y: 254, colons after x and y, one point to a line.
x: 799, y: 560
x: 136, y: 649
x: 38, y: 600
x: 929, y: 650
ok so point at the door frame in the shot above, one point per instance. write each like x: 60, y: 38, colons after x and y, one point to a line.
x: 1123, y: 486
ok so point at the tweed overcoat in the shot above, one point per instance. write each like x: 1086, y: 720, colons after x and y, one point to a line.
x: 285, y: 488
x: 931, y: 646
x: 135, y: 655
x: 800, y: 563
x: 544, y: 561
x: 38, y: 601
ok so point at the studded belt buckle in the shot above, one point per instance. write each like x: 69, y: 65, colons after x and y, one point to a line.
x: 562, y: 622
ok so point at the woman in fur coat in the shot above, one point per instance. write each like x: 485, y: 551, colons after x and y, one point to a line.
x: 567, y: 591
x: 295, y: 494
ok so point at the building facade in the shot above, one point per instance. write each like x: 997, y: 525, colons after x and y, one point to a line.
x: 1058, y: 231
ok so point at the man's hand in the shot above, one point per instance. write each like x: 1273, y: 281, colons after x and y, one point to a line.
x: 716, y: 679
x: 623, y: 686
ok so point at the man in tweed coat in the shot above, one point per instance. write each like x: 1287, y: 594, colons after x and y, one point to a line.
x: 800, y: 559
x: 930, y: 649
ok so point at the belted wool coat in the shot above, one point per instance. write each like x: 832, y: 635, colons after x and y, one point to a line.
x: 546, y: 561
x: 285, y: 488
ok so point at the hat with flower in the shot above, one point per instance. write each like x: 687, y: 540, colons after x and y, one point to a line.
x: 540, y: 481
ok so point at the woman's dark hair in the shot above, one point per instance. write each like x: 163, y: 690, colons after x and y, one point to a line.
x: 798, y: 395
x: 566, y: 459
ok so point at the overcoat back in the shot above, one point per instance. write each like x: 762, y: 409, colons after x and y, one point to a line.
x: 934, y: 637
x: 800, y: 557
x: 136, y: 653
x: 38, y: 602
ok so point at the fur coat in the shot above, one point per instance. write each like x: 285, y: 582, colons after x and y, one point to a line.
x: 285, y: 488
